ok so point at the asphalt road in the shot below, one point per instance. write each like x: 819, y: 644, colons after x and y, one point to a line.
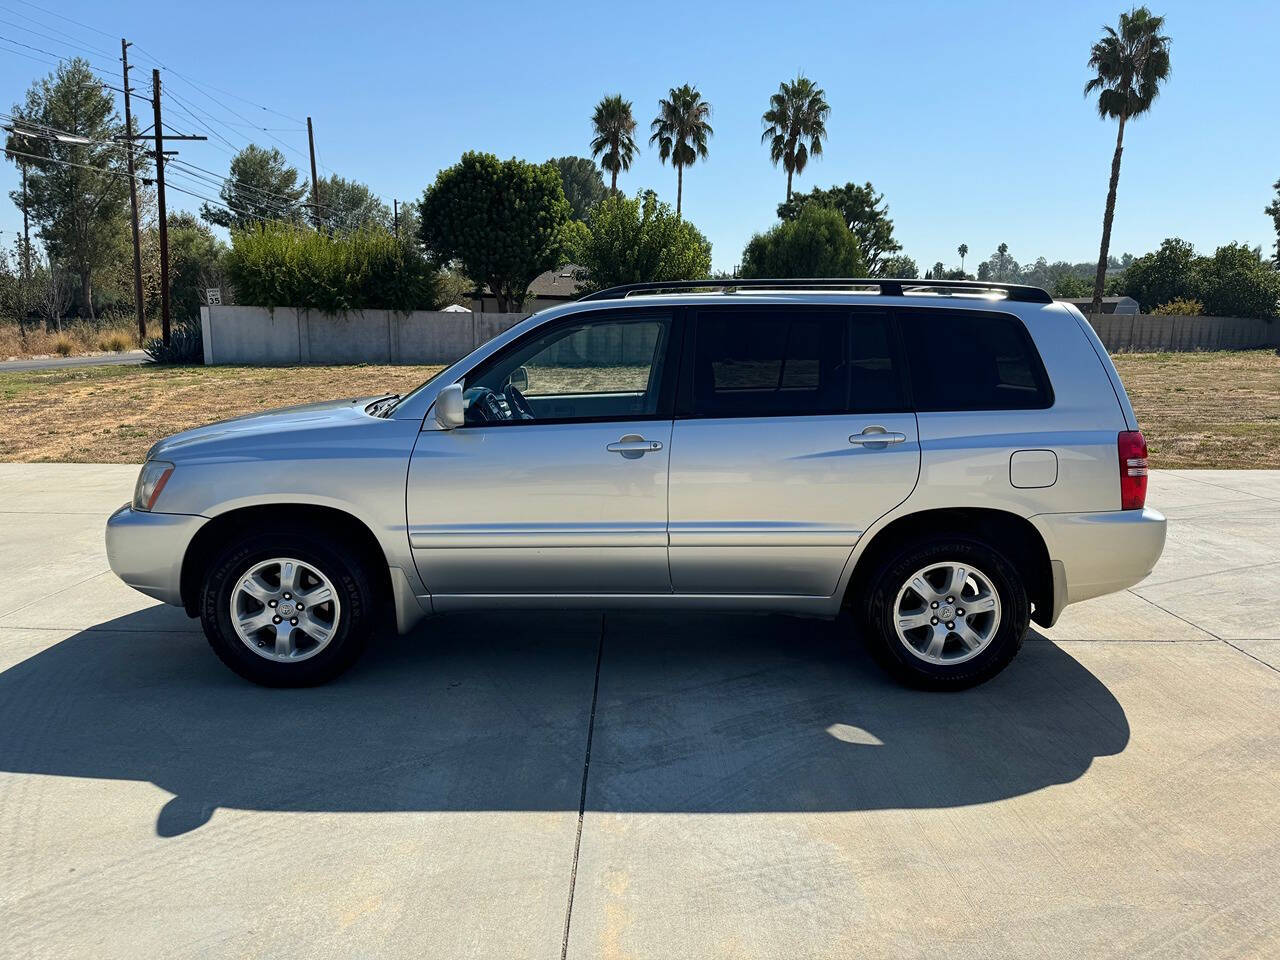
x: 127, y: 358
x: 634, y: 785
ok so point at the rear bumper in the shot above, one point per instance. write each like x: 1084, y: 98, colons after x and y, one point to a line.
x: 1098, y: 553
x: 146, y: 550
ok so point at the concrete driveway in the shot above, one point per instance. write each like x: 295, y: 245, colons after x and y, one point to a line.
x: 641, y: 786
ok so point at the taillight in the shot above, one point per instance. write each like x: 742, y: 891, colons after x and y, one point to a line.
x: 1133, y: 469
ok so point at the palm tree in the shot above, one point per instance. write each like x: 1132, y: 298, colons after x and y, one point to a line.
x: 797, y: 112
x: 1130, y: 63
x: 963, y: 250
x: 681, y: 130
x: 614, y: 127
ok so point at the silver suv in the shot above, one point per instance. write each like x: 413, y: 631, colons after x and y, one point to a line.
x: 948, y: 460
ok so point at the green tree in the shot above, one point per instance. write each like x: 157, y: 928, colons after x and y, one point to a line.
x: 864, y: 212
x: 1129, y: 64
x: 797, y: 113
x: 817, y: 243
x: 681, y: 130
x: 1071, y: 286
x: 77, y: 186
x: 1000, y: 267
x: 963, y: 250
x: 1169, y: 273
x: 1237, y: 282
x: 614, y: 141
x: 349, y: 205
x: 899, y: 267
x: 640, y: 240
x: 1273, y: 211
x: 583, y: 185
x: 502, y: 220
x: 196, y: 259
x: 261, y: 188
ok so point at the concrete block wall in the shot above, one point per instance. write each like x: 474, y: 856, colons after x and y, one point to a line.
x: 286, y: 335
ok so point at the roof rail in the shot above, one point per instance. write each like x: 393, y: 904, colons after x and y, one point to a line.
x: 887, y: 288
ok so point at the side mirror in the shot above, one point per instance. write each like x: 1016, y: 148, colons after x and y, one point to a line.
x: 519, y: 378
x: 449, y: 407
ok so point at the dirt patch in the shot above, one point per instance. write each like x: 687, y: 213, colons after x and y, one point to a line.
x: 1196, y: 409
x: 113, y: 414
x: 1216, y: 410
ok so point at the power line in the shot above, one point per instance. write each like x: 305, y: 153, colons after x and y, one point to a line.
x: 227, y: 93
x: 92, y: 66
x: 36, y: 6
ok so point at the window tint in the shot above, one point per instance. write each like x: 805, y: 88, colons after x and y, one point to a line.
x: 973, y: 361
x: 792, y: 362
x: 875, y: 385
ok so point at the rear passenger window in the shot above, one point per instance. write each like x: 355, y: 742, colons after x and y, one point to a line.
x: 792, y: 363
x: 973, y: 361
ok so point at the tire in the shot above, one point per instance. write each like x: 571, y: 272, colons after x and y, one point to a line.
x: 344, y: 617
x: 915, y: 658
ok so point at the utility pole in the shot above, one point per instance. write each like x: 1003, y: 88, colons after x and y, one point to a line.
x: 315, y: 184
x: 395, y: 207
x: 133, y: 198
x: 160, y: 211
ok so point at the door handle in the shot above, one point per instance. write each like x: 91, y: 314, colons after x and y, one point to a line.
x: 877, y: 437
x: 632, y: 446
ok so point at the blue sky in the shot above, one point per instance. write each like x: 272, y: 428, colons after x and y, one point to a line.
x: 967, y: 116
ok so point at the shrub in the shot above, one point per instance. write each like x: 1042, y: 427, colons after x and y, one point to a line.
x: 1180, y: 307
x: 63, y: 346
x: 817, y: 243
x: 285, y: 265
x: 186, y: 345
x: 1237, y: 282
x: 638, y: 240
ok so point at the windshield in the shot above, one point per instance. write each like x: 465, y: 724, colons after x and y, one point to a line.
x: 385, y: 411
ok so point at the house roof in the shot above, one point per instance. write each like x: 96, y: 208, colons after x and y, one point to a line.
x: 558, y: 283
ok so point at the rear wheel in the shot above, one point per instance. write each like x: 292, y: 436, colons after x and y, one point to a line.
x: 947, y: 614
x: 286, y: 609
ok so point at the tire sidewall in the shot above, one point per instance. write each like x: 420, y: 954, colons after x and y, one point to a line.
x: 338, y: 564
x: 1015, y: 613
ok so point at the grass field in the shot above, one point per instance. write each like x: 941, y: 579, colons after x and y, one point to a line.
x: 1196, y: 409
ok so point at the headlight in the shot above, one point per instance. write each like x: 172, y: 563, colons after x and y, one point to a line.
x: 154, y: 475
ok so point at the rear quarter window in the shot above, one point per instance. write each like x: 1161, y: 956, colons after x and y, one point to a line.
x: 966, y: 360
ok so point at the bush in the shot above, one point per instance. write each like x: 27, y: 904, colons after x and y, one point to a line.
x: 817, y: 243
x: 115, y: 342
x: 186, y: 345
x: 63, y: 346
x: 1188, y: 307
x: 284, y: 265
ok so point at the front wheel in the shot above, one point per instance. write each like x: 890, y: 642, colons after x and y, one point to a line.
x: 947, y: 614
x: 286, y: 609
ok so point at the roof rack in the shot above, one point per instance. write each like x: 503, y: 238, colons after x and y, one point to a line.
x: 886, y: 288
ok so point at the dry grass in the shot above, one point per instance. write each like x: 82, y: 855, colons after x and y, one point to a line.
x: 76, y: 338
x: 113, y: 414
x: 1216, y: 410
x: 1196, y: 409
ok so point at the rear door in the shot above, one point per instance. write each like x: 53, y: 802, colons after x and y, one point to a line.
x: 793, y: 434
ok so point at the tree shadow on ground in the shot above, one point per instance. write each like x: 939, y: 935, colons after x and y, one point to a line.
x: 473, y: 712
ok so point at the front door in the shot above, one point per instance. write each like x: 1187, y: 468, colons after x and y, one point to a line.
x: 793, y: 435
x: 557, y: 483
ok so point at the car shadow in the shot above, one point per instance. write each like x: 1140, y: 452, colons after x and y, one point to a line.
x: 471, y: 712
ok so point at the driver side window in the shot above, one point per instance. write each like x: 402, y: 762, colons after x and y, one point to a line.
x: 590, y: 370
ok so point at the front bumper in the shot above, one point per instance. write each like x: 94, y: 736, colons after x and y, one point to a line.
x: 146, y: 550
x: 1099, y: 553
